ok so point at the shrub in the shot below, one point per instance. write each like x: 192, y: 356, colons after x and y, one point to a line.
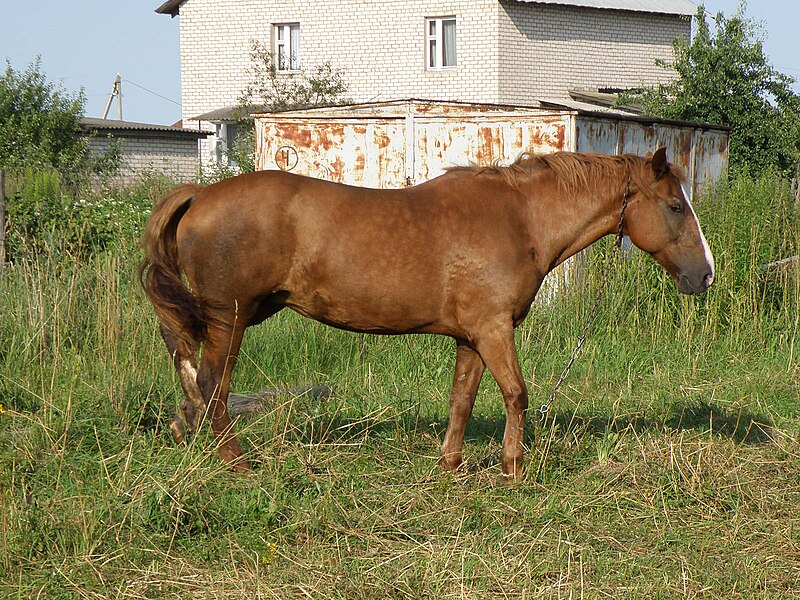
x: 75, y: 216
x: 39, y: 122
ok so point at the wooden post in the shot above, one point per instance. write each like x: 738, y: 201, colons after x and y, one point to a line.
x: 2, y: 219
x: 116, y: 90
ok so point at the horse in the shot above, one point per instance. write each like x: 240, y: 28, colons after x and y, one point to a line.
x: 462, y: 255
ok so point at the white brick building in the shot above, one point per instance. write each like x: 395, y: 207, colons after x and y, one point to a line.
x: 144, y: 147
x: 491, y: 51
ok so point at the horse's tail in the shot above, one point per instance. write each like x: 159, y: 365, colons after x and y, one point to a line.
x: 178, y: 309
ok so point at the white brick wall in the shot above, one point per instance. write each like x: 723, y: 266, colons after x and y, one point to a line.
x: 177, y: 158
x: 547, y: 50
x: 508, y: 52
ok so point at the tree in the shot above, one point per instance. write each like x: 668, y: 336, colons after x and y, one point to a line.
x: 276, y: 91
x: 39, y: 122
x: 723, y: 77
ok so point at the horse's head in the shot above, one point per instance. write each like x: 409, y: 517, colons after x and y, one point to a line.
x: 659, y: 219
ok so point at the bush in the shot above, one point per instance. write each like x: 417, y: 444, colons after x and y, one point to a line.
x: 75, y: 216
x: 39, y: 122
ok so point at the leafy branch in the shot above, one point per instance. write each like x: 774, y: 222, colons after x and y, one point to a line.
x: 279, y: 91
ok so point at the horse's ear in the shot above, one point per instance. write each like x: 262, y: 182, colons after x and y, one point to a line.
x: 660, y: 164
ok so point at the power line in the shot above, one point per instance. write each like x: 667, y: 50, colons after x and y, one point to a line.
x: 151, y: 92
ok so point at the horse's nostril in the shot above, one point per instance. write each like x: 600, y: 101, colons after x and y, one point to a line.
x: 708, y: 280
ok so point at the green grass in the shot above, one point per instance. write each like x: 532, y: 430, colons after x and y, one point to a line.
x: 670, y: 466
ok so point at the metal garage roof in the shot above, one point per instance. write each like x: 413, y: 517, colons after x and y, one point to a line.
x: 104, y: 126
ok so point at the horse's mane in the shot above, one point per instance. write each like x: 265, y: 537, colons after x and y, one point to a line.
x: 574, y: 171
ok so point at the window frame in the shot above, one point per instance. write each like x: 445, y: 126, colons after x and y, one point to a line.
x: 227, y: 132
x: 438, y: 41
x: 283, y: 36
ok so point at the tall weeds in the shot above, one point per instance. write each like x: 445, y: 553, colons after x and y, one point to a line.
x: 94, y: 493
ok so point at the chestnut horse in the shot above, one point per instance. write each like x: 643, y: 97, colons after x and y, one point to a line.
x: 462, y: 255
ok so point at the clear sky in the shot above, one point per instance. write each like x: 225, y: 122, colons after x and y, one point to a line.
x: 85, y: 43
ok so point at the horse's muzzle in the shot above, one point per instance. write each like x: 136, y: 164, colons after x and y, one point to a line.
x: 695, y: 284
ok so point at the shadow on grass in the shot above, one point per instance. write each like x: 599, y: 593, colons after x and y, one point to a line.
x: 699, y: 415
x: 702, y: 416
x: 327, y: 422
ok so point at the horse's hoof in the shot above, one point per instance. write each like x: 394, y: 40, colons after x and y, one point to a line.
x: 505, y: 480
x: 178, y: 430
x: 512, y: 471
x: 241, y: 466
x: 449, y: 464
x: 191, y: 416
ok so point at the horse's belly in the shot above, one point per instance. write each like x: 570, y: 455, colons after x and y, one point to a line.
x: 369, y: 313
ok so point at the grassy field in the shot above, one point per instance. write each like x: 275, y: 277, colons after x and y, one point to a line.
x: 670, y: 466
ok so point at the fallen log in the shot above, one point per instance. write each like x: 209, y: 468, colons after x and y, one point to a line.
x: 248, y: 404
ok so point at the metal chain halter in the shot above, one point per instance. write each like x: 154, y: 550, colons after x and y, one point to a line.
x: 544, y: 409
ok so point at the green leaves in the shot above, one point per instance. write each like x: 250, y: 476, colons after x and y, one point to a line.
x: 322, y: 85
x: 39, y: 122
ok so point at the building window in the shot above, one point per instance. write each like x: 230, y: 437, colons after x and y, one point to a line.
x: 287, y: 46
x: 227, y: 134
x: 231, y: 136
x: 441, y: 46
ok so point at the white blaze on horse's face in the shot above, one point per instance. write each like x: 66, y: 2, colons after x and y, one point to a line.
x: 687, y: 255
x: 706, y: 248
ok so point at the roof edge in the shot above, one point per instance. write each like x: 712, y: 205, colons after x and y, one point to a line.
x: 684, y: 8
x: 170, y: 7
x: 542, y: 106
x: 628, y: 116
x: 93, y: 124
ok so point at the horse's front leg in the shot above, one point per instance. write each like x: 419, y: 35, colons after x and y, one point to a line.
x: 466, y: 379
x: 497, y: 349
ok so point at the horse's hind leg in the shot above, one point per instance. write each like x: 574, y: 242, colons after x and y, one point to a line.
x: 214, y: 377
x: 466, y: 379
x: 193, y: 407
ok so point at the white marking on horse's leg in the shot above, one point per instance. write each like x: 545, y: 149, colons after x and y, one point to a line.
x: 188, y: 368
x: 188, y: 375
x: 706, y: 248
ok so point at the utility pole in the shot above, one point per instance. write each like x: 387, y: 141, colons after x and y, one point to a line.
x: 116, y: 90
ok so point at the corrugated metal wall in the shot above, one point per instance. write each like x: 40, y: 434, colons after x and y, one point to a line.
x: 366, y: 152
x: 394, y: 144
x: 701, y: 152
x: 442, y: 142
x: 403, y: 145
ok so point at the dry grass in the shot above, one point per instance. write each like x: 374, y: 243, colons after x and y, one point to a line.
x: 670, y: 466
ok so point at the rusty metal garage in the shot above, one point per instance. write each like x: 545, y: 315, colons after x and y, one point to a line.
x: 404, y: 142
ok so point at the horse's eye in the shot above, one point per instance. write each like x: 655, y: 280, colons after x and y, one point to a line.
x: 677, y: 208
